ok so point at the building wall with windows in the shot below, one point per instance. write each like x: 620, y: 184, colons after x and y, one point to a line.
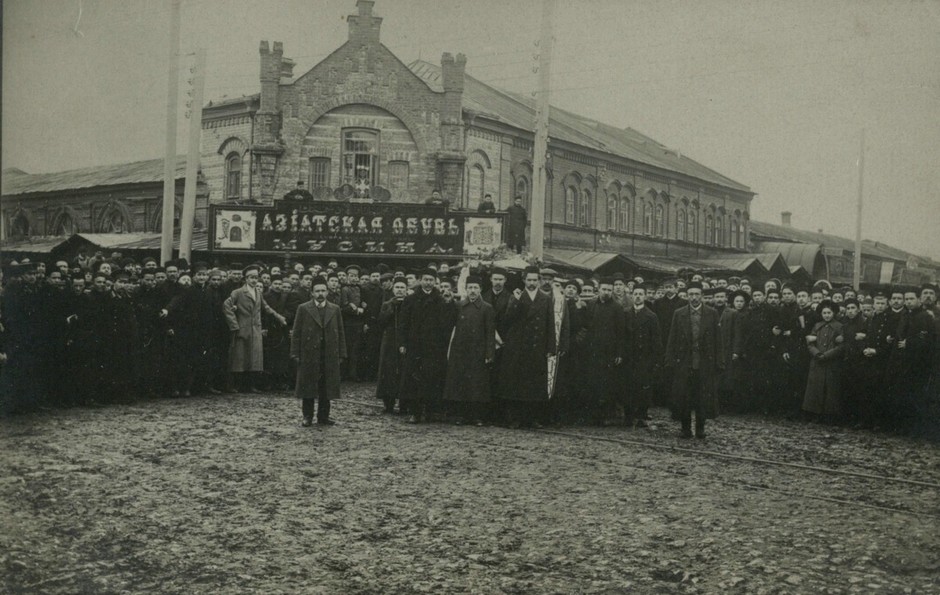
x: 364, y: 120
x: 122, y: 198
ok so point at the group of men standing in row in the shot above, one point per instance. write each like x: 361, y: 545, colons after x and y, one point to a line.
x: 549, y: 351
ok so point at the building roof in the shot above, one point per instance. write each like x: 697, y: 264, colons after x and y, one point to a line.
x: 142, y: 241
x: 795, y: 254
x: 785, y: 233
x: 33, y: 244
x: 519, y: 111
x: 585, y: 260
x: 116, y: 174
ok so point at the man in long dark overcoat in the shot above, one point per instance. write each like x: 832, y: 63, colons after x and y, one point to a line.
x: 472, y: 349
x: 390, y: 360
x: 425, y: 326
x: 517, y: 223
x: 642, y: 356
x: 604, y: 321
x: 318, y: 346
x: 693, y: 358
x: 529, y: 340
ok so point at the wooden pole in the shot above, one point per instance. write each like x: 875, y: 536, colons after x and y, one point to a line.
x: 169, y: 157
x: 857, y: 263
x: 192, y: 157
x: 540, y: 149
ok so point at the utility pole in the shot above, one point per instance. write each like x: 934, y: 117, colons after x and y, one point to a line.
x: 194, y: 113
x: 857, y: 264
x: 540, y: 150
x: 169, y: 157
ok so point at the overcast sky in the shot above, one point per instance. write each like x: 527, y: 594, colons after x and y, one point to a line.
x: 772, y: 94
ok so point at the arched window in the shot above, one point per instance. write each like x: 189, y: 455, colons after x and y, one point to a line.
x: 584, y: 209
x: 571, y: 199
x: 624, y: 214
x: 114, y: 221
x: 720, y: 231
x: 475, y: 187
x: 734, y: 233
x: 612, y: 211
x: 690, y: 227
x: 740, y: 233
x: 20, y: 227
x: 233, y: 176
x: 709, y: 229
x: 680, y: 224
x: 660, y: 221
x: 522, y: 189
x: 648, y: 218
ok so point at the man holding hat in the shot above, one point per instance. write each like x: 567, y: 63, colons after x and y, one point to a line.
x: 243, y: 310
x: 318, y: 347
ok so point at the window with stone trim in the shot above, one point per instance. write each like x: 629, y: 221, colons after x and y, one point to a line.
x: 584, y: 209
x: 624, y: 223
x: 680, y: 224
x: 612, y: 202
x: 571, y: 200
x: 720, y: 231
x: 740, y: 234
x: 398, y: 172
x: 233, y: 176
x: 690, y: 226
x: 660, y: 221
x: 318, y: 173
x: 360, y: 159
x: 709, y: 229
x: 648, y: 219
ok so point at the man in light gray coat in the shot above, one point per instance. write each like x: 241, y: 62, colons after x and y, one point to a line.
x: 243, y: 315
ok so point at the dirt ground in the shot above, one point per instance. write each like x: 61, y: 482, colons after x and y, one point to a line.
x: 230, y: 495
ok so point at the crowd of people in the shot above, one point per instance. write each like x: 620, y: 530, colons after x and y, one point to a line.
x: 474, y: 346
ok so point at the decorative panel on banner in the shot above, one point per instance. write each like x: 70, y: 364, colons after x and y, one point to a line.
x: 355, y: 228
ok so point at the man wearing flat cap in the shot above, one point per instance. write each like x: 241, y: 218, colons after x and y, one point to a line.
x: 243, y: 310
x: 693, y: 359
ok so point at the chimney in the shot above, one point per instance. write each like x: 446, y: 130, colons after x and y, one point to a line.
x: 270, y: 74
x: 785, y: 218
x: 452, y: 72
x: 363, y: 27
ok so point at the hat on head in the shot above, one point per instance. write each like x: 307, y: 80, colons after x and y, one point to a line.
x: 572, y: 283
x: 215, y: 273
x: 694, y: 285
x: 381, y: 267
x: 930, y: 286
x: 531, y: 269
x: 499, y: 271
x: 353, y: 267
x: 200, y: 267
x: 15, y: 270
x: 474, y: 279
x: 547, y: 272
x: 251, y: 268
x: 617, y: 277
x: 235, y: 266
x: 320, y: 280
x: 607, y: 280
x: 850, y: 301
x: 399, y: 279
x: 386, y: 276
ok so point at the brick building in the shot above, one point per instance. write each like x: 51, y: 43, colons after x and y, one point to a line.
x: 362, y: 124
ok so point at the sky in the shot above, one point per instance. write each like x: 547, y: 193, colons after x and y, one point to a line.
x: 772, y: 94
